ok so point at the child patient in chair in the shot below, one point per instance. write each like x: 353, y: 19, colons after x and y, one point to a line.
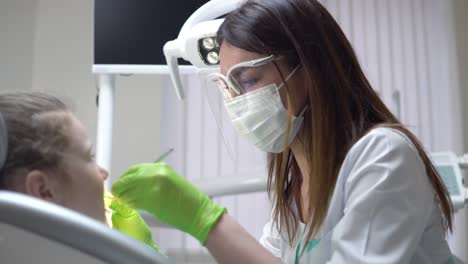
x: 45, y: 152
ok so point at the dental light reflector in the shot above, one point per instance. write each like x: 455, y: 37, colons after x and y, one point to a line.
x: 209, y: 51
x: 208, y: 43
x: 212, y: 58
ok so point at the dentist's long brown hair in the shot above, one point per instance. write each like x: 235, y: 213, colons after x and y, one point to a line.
x: 342, y: 106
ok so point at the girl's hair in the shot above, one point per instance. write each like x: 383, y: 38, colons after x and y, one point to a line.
x: 36, y: 126
x: 342, y: 106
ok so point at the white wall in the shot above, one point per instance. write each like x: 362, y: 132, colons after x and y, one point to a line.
x: 63, y: 56
x: 17, y: 20
x: 461, y: 23
x: 461, y: 35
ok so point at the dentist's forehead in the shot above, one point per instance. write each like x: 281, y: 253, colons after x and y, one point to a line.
x: 231, y: 55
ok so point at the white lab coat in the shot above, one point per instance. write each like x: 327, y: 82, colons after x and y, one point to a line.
x: 383, y: 210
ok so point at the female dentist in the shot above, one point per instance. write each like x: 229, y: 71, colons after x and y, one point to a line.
x: 349, y: 183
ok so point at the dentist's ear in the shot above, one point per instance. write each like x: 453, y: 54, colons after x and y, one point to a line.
x: 38, y: 184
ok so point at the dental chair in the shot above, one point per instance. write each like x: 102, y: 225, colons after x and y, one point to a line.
x: 35, y: 231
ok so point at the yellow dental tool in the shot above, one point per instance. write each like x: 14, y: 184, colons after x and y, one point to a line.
x: 108, y: 198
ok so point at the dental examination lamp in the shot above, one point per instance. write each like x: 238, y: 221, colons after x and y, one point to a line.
x: 196, y: 41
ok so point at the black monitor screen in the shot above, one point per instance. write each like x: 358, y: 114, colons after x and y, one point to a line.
x: 133, y: 32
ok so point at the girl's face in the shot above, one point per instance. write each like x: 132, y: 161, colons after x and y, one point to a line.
x: 81, y: 188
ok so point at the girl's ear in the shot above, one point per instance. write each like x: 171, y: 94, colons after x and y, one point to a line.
x: 38, y: 184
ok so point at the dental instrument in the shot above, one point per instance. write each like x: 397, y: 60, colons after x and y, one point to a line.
x: 164, y: 155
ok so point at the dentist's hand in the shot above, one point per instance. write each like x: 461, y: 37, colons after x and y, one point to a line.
x: 128, y: 221
x: 159, y: 190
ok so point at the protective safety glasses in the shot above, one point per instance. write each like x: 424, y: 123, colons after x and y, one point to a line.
x: 246, y: 76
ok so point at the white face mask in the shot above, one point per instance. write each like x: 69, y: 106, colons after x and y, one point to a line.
x: 260, y: 117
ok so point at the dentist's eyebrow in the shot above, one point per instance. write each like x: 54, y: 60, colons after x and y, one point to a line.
x: 242, y: 71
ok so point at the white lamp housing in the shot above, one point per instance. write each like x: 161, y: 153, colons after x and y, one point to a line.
x: 201, y: 24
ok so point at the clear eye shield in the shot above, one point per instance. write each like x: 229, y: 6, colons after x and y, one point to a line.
x: 247, y: 87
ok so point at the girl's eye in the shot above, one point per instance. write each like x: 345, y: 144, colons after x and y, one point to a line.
x: 92, y: 156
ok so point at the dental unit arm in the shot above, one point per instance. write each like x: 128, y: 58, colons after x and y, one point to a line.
x: 196, y: 40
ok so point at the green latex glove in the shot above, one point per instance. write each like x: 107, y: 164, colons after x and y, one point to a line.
x: 128, y: 221
x: 159, y: 190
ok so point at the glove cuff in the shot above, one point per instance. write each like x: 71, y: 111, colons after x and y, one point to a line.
x: 207, y: 216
